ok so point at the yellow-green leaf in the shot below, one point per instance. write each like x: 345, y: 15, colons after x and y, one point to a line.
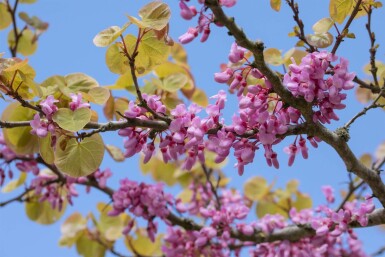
x: 380, y: 152
x: 27, y: 1
x: 46, y: 149
x: 366, y: 160
x: 269, y: 207
x: 296, y: 54
x: 87, y: 247
x: 174, y: 82
x: 12, y: 185
x: 273, y: 56
x: 42, y: 212
x: 27, y: 42
x: 72, y: 229
x: 79, y: 159
x: 320, y: 40
x: 200, y: 98
x: 110, y: 227
x: 151, y: 50
x: 275, y: 4
x: 115, y: 60
x: 363, y: 95
x: 292, y: 186
x: 340, y: 9
x: 20, y: 140
x: 5, y: 16
x: 178, y: 53
x: 115, y: 153
x: 72, y: 120
x: 98, y: 95
x: 80, y: 82
x: 256, y: 188
x: 33, y: 21
x: 155, y: 15
x: 142, y: 244
x: 323, y: 25
x: 108, y: 35
x: 303, y: 201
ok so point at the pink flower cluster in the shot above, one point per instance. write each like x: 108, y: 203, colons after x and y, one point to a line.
x: 49, y: 189
x: 8, y: 155
x: 41, y: 127
x: 142, y: 200
x: 333, y: 236
x: 204, y: 20
x: 308, y: 80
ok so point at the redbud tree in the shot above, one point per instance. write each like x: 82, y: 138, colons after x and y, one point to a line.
x: 53, y: 139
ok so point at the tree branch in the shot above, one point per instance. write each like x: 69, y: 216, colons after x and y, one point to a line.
x: 341, y: 36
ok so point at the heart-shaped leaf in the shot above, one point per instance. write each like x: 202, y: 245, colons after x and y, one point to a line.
x: 72, y: 120
x: 78, y: 159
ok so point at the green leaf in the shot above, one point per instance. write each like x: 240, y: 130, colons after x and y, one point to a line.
x: 20, y: 140
x: 78, y: 159
x: 27, y: 1
x: 80, y: 82
x: 27, y: 42
x: 155, y: 15
x: 367, y: 160
x: 256, y: 188
x: 12, y: 185
x: 268, y: 207
x: 174, y: 82
x: 98, y: 95
x: 275, y: 5
x: 142, y: 245
x: 320, y: 40
x: 5, y: 16
x: 109, y: 35
x: 178, y: 53
x: 303, y: 201
x: 110, y: 227
x: 115, y: 60
x: 52, y: 85
x: 273, y: 56
x: 72, y: 120
x: 380, y: 152
x: 34, y: 21
x: 151, y: 50
x: 160, y: 171
x: 292, y: 186
x: 296, y: 54
x: 46, y: 149
x: 363, y: 95
x: 340, y: 9
x: 323, y: 25
x: 87, y: 247
x: 42, y: 212
x: 115, y: 153
x: 72, y: 229
x: 200, y: 98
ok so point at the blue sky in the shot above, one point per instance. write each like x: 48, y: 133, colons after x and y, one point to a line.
x: 67, y: 47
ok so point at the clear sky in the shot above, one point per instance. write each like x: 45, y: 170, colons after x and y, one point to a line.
x: 67, y: 47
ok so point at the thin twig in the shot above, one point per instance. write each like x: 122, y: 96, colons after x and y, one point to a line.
x: 373, y: 48
x: 363, y: 111
x: 17, y: 35
x: 213, y: 188
x: 341, y: 36
x: 301, y: 34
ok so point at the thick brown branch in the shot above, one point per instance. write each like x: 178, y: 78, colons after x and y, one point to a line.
x: 259, y: 62
x: 371, y: 177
